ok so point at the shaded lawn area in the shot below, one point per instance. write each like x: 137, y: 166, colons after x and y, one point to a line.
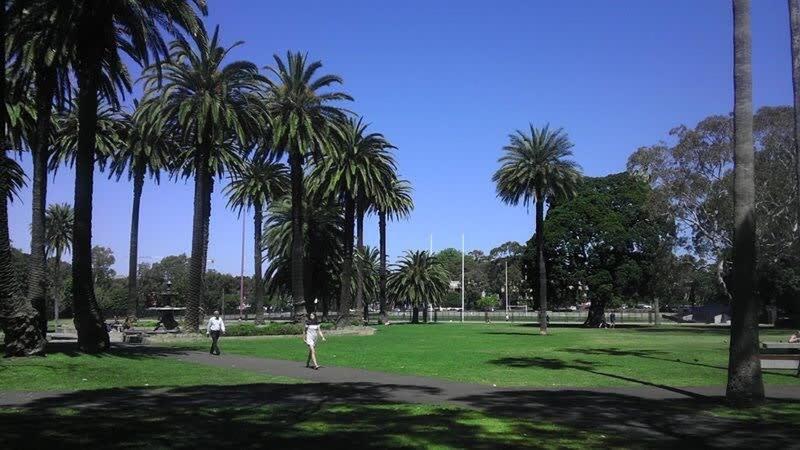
x: 353, y: 415
x: 63, y: 369
x: 515, y: 354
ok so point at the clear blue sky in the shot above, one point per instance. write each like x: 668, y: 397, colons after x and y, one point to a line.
x: 446, y: 82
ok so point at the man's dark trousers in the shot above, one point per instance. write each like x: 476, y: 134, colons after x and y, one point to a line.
x: 214, y: 339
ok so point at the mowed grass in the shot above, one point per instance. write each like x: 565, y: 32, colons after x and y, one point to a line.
x: 119, y: 368
x: 516, y: 355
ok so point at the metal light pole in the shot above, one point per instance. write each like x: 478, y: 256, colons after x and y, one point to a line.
x: 506, y: 289
x: 241, y: 276
x: 430, y: 245
x: 462, y: 277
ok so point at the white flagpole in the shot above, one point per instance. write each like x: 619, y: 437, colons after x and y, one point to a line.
x: 506, y: 261
x: 462, y: 277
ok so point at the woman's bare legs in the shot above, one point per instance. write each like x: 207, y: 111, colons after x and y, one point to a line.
x: 312, y: 354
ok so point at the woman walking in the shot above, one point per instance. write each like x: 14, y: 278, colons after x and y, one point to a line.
x: 312, y: 333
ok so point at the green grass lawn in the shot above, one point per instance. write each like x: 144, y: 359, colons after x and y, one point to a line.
x: 515, y: 355
x: 117, y: 369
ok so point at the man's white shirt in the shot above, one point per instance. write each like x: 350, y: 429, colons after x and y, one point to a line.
x: 215, y: 324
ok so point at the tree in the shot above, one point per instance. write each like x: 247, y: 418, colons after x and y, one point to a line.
x: 256, y: 185
x: 207, y: 104
x: 367, y: 263
x: 301, y: 119
x: 420, y: 280
x: 794, y: 25
x: 356, y: 169
x: 535, y: 169
x: 745, y: 386
x: 103, y: 29
x: 606, y: 239
x: 60, y: 217
x: 395, y: 202
x: 140, y: 154
x: 102, y: 260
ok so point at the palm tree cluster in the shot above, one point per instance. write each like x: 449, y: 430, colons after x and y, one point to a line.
x: 307, y: 168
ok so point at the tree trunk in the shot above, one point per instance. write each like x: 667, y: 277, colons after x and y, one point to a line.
x: 258, y: 288
x: 794, y: 19
x: 415, y: 314
x: 22, y: 335
x: 298, y: 294
x: 37, y: 263
x: 382, y: 275
x: 425, y: 312
x: 745, y: 386
x: 346, y: 292
x: 360, y: 301
x: 89, y: 322
x: 197, y: 261
x: 657, y: 310
x: 542, y: 268
x: 133, y: 294
x: 597, y: 313
x: 58, y: 287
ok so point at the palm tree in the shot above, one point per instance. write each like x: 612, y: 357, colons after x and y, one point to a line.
x: 367, y: 262
x: 141, y: 154
x: 745, y: 386
x: 794, y: 20
x: 534, y: 169
x: 256, y: 185
x: 301, y: 120
x: 211, y: 106
x: 394, y: 202
x: 103, y: 29
x: 420, y: 280
x: 58, y: 235
x: 354, y: 170
x: 23, y: 336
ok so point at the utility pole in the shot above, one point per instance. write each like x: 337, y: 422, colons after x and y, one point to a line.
x: 462, y: 277
x: 430, y: 246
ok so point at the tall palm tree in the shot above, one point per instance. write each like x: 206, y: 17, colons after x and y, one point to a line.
x: 60, y: 217
x: 302, y: 114
x: 256, y: 185
x: 394, y: 202
x: 141, y: 154
x: 534, y: 169
x: 103, y: 29
x: 794, y: 25
x: 211, y: 106
x: 419, y: 279
x: 19, y: 320
x: 367, y: 262
x: 354, y: 170
x: 745, y: 386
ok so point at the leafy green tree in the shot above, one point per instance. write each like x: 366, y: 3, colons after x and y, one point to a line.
x: 207, y: 104
x: 420, y: 280
x: 745, y: 386
x: 102, y: 260
x: 256, y: 185
x: 58, y: 235
x: 302, y: 117
x: 394, y: 203
x: 450, y: 259
x: 534, y: 169
x: 606, y: 238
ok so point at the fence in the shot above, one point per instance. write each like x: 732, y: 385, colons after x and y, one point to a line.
x: 570, y: 317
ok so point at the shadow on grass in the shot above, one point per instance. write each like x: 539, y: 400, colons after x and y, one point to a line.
x: 362, y: 415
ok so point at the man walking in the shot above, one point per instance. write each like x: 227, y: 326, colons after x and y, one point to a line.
x: 214, y: 328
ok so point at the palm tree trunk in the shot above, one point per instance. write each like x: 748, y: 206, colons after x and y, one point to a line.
x: 360, y: 301
x: 58, y: 287
x: 745, y: 386
x: 197, y: 261
x: 133, y: 294
x: 298, y: 289
x: 258, y: 289
x: 542, y: 268
x: 425, y: 312
x: 794, y: 20
x: 346, y: 293
x: 37, y: 263
x: 382, y: 275
x: 415, y: 314
x: 89, y: 322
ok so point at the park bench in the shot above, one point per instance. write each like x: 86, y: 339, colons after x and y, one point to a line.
x: 780, y: 355
x: 133, y: 337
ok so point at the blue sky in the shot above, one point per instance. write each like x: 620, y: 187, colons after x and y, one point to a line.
x: 447, y: 82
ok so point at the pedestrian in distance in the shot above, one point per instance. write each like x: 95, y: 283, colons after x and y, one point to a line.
x: 214, y: 328
x: 612, y: 320
x: 312, y: 333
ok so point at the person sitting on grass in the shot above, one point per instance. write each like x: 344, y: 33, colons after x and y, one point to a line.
x: 310, y: 336
x: 795, y: 337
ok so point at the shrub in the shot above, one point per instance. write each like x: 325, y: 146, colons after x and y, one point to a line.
x: 271, y: 329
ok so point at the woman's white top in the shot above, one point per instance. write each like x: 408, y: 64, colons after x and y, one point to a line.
x: 312, y: 333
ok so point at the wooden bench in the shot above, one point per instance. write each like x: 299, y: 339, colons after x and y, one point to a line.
x: 133, y: 337
x: 780, y: 356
